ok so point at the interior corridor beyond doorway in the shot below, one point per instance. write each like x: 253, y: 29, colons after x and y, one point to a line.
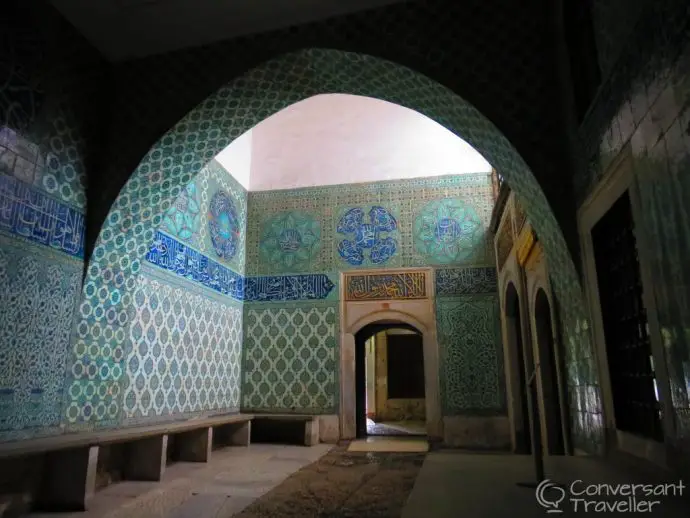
x: 391, y: 398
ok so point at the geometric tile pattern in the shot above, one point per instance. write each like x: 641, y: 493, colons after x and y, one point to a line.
x: 176, y: 158
x: 289, y: 241
x: 38, y: 297
x: 97, y: 368
x: 183, y: 219
x: 290, y: 358
x: 448, y: 231
x: 465, y: 281
x: 35, y: 216
x: 373, y: 236
x: 55, y: 167
x: 403, y: 199
x: 406, y: 285
x: 223, y: 235
x: 185, y: 351
x: 472, y: 380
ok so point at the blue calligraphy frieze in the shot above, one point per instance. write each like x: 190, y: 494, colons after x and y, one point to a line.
x: 465, y: 281
x: 287, y: 287
x: 171, y: 255
x: 29, y: 213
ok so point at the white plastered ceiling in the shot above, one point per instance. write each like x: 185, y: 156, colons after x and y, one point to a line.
x: 335, y: 139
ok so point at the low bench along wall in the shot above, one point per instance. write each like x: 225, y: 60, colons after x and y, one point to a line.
x: 65, y: 469
x: 289, y: 428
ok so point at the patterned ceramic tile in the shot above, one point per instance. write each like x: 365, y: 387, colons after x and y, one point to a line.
x: 288, y: 287
x: 465, y: 281
x: 367, y: 236
x: 403, y: 201
x: 291, y: 358
x: 289, y: 242
x: 37, y: 306
x: 169, y: 254
x: 29, y: 213
x: 176, y: 159
x: 472, y: 379
x: 185, y: 353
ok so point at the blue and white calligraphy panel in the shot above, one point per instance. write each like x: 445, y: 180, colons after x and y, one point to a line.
x: 170, y: 254
x: 178, y: 258
x: 465, y: 281
x: 35, y: 216
x: 287, y: 287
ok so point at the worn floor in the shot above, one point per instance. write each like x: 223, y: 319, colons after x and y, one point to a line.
x: 483, y: 485
x: 390, y: 444
x: 271, y: 481
x: 396, y: 427
x: 233, y: 479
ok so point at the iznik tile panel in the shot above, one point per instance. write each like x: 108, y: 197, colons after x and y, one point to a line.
x: 405, y: 285
x: 291, y: 358
x: 287, y: 288
x: 169, y: 254
x: 186, y: 350
x: 465, y: 281
x: 471, y: 355
x: 33, y: 215
x: 38, y: 298
x: 419, y: 222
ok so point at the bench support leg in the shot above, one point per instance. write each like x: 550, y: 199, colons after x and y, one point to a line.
x: 70, y: 479
x: 311, y: 432
x: 195, y: 445
x: 146, y: 459
x: 241, y: 435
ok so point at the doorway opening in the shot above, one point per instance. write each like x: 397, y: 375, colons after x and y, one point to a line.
x: 636, y: 404
x: 390, y: 383
x: 523, y: 440
x: 548, y: 369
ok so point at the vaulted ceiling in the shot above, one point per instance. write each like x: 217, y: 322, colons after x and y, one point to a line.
x: 123, y: 29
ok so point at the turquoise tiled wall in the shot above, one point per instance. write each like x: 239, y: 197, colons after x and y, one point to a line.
x: 184, y: 349
x: 41, y: 261
x: 291, y: 355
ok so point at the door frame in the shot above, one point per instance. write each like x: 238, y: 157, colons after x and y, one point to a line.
x: 618, y: 179
x: 418, y: 312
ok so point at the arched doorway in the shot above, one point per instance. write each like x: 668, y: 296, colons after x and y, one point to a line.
x: 390, y: 394
x: 514, y: 338
x: 549, y: 374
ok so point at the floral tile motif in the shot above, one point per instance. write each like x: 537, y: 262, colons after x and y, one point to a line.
x: 471, y: 355
x: 291, y: 358
x: 289, y: 241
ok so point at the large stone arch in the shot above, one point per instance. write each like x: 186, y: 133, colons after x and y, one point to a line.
x: 95, y: 369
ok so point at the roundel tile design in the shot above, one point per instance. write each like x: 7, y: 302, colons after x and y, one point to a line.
x: 371, y: 237
x: 447, y: 231
x: 290, y: 241
x: 223, y: 225
x: 176, y: 158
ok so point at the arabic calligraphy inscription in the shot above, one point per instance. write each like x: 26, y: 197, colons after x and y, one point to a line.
x: 405, y: 285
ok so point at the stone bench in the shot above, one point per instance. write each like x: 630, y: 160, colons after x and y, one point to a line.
x: 303, y: 429
x: 70, y: 462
